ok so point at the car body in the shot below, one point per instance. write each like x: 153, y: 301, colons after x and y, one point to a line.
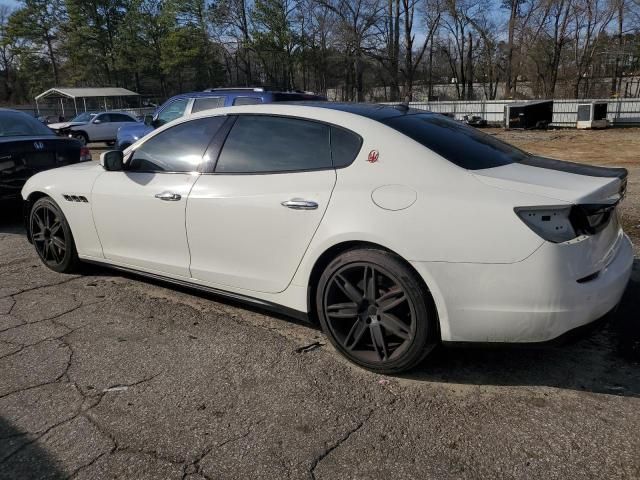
x: 28, y: 147
x: 94, y: 126
x: 194, y: 102
x: 288, y: 205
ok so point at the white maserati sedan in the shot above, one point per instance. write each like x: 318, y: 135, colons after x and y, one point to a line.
x: 395, y: 229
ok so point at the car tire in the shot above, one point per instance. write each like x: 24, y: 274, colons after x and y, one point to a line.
x: 51, y: 236
x: 376, y: 311
x: 82, y: 137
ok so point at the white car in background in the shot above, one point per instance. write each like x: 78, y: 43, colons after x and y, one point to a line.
x: 395, y: 228
x: 94, y: 127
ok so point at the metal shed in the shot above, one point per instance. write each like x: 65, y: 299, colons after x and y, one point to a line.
x: 94, y: 96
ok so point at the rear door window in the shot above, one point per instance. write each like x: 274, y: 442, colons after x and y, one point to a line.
x: 207, y: 103
x: 178, y: 149
x: 119, y: 117
x: 247, y: 100
x: 460, y: 144
x: 269, y: 144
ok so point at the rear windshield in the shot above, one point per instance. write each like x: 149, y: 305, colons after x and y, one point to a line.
x: 16, y: 124
x: 460, y: 144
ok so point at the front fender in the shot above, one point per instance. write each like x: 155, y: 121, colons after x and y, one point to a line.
x: 73, y: 180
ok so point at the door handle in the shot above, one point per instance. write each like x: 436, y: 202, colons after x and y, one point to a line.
x: 300, y: 204
x: 168, y: 196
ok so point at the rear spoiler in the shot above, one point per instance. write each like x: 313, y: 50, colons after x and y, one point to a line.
x: 581, y: 169
x: 576, y: 168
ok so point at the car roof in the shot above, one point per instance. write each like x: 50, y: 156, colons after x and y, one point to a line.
x: 11, y: 110
x: 245, y: 92
x: 373, y: 111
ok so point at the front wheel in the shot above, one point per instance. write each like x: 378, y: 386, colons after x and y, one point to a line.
x: 81, y: 137
x: 375, y: 311
x: 52, y: 236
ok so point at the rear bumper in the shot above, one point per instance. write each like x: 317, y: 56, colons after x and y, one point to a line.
x: 535, y: 300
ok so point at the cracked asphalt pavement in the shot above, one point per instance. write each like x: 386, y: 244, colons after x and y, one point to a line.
x: 111, y: 376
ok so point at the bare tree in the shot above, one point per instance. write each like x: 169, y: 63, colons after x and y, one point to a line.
x: 356, y: 19
x: 411, y: 60
x: 591, y: 19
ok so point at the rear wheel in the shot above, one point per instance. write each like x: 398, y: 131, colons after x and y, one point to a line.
x: 52, y: 236
x: 375, y: 311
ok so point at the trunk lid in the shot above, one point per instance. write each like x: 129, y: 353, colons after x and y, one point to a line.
x: 564, y: 181
x: 22, y: 157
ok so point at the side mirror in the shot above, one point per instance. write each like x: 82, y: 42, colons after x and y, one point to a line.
x: 148, y: 120
x: 97, y: 121
x: 112, y: 161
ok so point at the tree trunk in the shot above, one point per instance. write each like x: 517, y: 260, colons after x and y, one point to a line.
x: 54, y: 65
x: 470, y: 68
x: 508, y: 67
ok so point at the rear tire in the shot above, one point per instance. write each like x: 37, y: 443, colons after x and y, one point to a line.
x: 376, y: 311
x: 52, y: 237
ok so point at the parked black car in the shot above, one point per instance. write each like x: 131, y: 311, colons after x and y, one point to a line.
x: 28, y: 147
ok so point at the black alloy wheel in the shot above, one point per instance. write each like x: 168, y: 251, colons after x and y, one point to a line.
x: 51, y: 236
x: 375, y: 311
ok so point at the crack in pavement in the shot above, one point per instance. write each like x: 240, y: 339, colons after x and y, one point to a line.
x: 89, y: 464
x: 31, y: 289
x: 195, y: 467
x: 343, y: 438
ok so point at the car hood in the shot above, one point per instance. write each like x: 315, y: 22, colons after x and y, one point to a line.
x: 138, y: 129
x: 58, y: 126
x: 564, y: 181
x: 77, y: 178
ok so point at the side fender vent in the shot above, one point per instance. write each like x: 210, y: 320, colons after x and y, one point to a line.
x: 76, y: 198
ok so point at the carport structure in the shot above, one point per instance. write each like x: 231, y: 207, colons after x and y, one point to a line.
x: 97, y: 98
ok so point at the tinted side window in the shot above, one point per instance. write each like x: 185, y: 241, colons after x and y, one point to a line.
x: 206, y: 103
x: 119, y: 117
x: 172, y: 111
x: 274, y: 144
x: 345, y: 146
x: 460, y: 144
x: 104, y: 118
x: 178, y: 149
x: 247, y: 100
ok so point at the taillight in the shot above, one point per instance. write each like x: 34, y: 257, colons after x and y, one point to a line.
x: 551, y: 223
x: 85, y: 154
x: 564, y: 223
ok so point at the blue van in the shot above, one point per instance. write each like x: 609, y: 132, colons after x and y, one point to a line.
x: 189, y: 103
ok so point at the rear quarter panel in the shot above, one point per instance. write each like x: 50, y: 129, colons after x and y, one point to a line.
x: 455, y: 218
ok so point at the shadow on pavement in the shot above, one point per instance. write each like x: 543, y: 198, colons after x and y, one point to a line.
x: 11, y: 217
x: 20, y: 459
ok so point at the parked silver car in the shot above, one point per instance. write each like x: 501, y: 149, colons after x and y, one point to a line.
x: 94, y: 127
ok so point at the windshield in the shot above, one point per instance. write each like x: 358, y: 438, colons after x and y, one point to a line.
x: 84, y: 117
x: 16, y: 124
x: 459, y: 143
